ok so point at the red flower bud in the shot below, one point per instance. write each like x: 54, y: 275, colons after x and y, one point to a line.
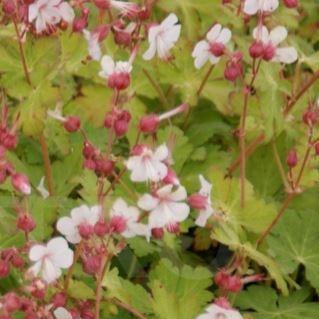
x: 120, y: 128
x: 197, y: 201
x: 88, y: 150
x: 9, y: 141
x: 92, y: 264
x: 119, y: 81
x: 232, y: 72
x: 292, y: 158
x: 102, y: 4
x: 122, y: 37
x: 59, y: 300
x: 87, y: 313
x: 158, y: 233
x: 12, y: 302
x: 4, y: 269
x: 86, y: 230
x: 8, y: 7
x: 269, y: 52
x: 21, y: 183
x: 291, y: 3
x: 149, y: 123
x: 256, y: 50
x: 310, y: 117
x: 144, y: 13
x: 25, y: 222
x: 17, y: 261
x: 104, y: 166
x: 118, y: 224
x: 72, y: 124
x: 234, y: 284
x: 102, y: 30
x: 217, y: 49
x: 101, y: 228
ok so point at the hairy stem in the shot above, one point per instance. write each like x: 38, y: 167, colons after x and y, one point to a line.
x: 128, y: 308
x: 47, y: 164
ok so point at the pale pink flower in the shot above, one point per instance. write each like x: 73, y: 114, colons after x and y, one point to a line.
x: 212, y: 49
x: 130, y: 217
x: 82, y: 216
x: 166, y: 206
x: 49, y: 259
x: 271, y: 41
x: 207, y: 211
x: 48, y: 13
x: 215, y: 311
x: 148, y: 165
x: 251, y: 7
x: 94, y: 48
x: 62, y: 313
x: 162, y: 38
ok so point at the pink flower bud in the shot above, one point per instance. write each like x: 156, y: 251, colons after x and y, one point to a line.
x: 92, y: 264
x: 12, y: 302
x: 292, y: 158
x: 234, y: 284
x: 217, y: 48
x: 223, y: 303
x: 158, y: 233
x: 310, y: 117
x: 291, y: 3
x: 109, y: 120
x: 144, y: 13
x: 102, y: 30
x: 149, y: 123
x: 138, y: 149
x: 256, y: 50
x: 122, y: 37
x: 8, y: 7
x: 72, y: 124
x: 221, y: 278
x: 104, y: 166
x: 173, y: 228
x: 101, y: 228
x: 25, y: 222
x: 120, y: 128
x: 79, y: 24
x: 86, y: 230
x: 90, y: 164
x: 102, y: 4
x: 17, y: 261
x: 88, y: 150
x: 87, y: 313
x: 232, y: 72
x: 118, y: 224
x: 119, y: 80
x: 197, y: 201
x: 4, y: 269
x: 269, y: 52
x: 38, y: 288
x: 171, y: 178
x: 9, y: 141
x: 59, y: 299
x: 21, y: 183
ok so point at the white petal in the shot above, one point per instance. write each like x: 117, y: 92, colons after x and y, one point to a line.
x: 179, y: 195
x: 80, y: 214
x: 49, y: 271
x: 206, y: 187
x: 62, y: 313
x: 40, y: 24
x: 66, y: 12
x: 214, y: 32
x: 161, y: 153
x: 108, y: 65
x: 278, y: 35
x: 150, y: 53
x: 169, y: 21
x: 37, y: 252
x: 213, y: 59
x: 172, y: 35
x: 35, y: 269
x: 147, y: 202
x: 269, y: 5
x: 261, y: 33
x: 180, y: 211
x: 251, y: 6
x: 33, y: 11
x: 165, y: 191
x: 203, y: 217
x: 224, y: 36
x: 158, y: 218
x: 201, y: 54
x: 286, y: 55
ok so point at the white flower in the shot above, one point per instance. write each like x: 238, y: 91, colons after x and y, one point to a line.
x: 204, y: 214
x: 49, y: 12
x: 162, y: 38
x: 82, y: 215
x: 216, y: 312
x: 130, y: 216
x: 94, y: 48
x: 166, y: 206
x: 251, y: 7
x: 212, y: 49
x: 109, y: 67
x: 147, y: 165
x: 62, y: 313
x: 50, y: 258
x: 271, y: 40
x: 42, y: 190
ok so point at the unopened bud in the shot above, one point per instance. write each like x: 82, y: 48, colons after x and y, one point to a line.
x: 4, y: 269
x: 119, y: 81
x: 101, y: 228
x: 72, y: 124
x: 25, y: 222
x: 292, y: 158
x: 291, y: 3
x: 256, y: 50
x: 21, y: 183
x: 217, y: 49
x: 197, y: 201
x: 149, y: 123
x: 86, y: 230
x: 158, y: 233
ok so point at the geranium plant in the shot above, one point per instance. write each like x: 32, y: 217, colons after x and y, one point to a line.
x: 159, y: 159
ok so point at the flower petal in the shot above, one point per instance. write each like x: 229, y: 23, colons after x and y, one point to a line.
x: 214, y: 32
x: 37, y: 252
x: 147, y: 202
x: 286, y: 55
x: 179, y: 195
x: 224, y: 36
x: 278, y: 35
x: 161, y: 153
x: 62, y: 313
x: 251, y: 7
x: 169, y: 21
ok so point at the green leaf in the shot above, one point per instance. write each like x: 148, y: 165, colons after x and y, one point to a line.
x: 294, y: 242
x: 266, y: 304
x: 79, y: 290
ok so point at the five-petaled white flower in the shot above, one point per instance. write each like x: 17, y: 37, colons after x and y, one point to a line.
x: 166, y: 206
x: 271, y: 40
x: 82, y: 216
x: 47, y: 13
x: 216, y: 312
x: 94, y: 48
x: 251, y: 7
x: 212, y: 49
x: 50, y: 259
x: 62, y: 313
x: 162, y: 38
x: 129, y: 217
x: 208, y: 211
x: 147, y: 165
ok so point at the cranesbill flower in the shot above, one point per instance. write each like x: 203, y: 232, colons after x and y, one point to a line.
x: 94, y: 48
x: 271, y: 41
x: 162, y: 38
x: 216, y: 311
x: 128, y: 217
x: 47, y: 13
x: 251, y: 7
x: 49, y: 259
x: 166, y: 206
x: 148, y: 165
x: 212, y: 49
x: 117, y: 73
x: 80, y: 224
